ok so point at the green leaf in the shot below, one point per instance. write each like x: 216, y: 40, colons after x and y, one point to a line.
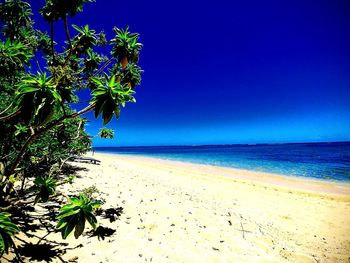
x: 7, y: 229
x: 68, y: 213
x: 107, y: 116
x: 37, y: 94
x: 99, y: 107
x: 92, y: 220
x: 69, y: 227
x: 2, y: 245
x: 61, y: 224
x: 79, y: 228
x: 28, y: 89
x: 77, y: 28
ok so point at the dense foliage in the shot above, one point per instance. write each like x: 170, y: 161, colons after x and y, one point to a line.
x: 40, y: 128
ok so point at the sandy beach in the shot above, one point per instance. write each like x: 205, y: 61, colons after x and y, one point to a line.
x: 182, y: 212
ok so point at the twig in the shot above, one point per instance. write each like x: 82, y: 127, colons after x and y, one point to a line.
x: 67, y: 30
x: 102, y: 68
x: 78, y: 132
x: 52, y: 48
x: 242, y: 229
x: 23, y: 241
x: 37, y: 63
x: 6, y: 109
x: 16, y: 252
x: 14, y: 114
x: 19, y: 202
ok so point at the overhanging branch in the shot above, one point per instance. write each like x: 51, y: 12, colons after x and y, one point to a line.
x: 44, y: 129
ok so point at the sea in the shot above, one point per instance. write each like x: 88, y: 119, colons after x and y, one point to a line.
x: 326, y: 161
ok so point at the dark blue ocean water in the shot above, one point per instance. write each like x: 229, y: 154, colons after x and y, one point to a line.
x: 327, y: 161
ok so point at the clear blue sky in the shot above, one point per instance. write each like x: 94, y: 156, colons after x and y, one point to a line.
x: 233, y: 71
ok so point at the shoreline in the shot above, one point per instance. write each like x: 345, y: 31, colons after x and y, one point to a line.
x: 288, y: 182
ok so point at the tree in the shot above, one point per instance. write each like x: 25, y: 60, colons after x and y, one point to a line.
x: 106, y: 133
x: 38, y: 87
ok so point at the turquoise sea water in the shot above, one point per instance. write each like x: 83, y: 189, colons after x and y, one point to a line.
x: 327, y: 161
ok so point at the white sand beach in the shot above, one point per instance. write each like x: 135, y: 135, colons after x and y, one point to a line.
x: 183, y: 212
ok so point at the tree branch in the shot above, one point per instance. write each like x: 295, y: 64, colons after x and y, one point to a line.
x: 67, y: 30
x: 37, y: 63
x: 78, y: 131
x: 71, y: 50
x: 14, y: 114
x: 102, y: 68
x: 41, y: 131
x: 18, y: 202
x: 52, y: 48
x: 6, y: 109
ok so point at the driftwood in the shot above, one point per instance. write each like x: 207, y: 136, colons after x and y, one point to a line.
x: 76, y: 158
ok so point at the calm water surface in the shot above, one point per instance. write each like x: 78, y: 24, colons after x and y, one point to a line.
x: 327, y: 161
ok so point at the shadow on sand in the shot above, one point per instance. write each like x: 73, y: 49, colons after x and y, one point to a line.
x: 40, y: 252
x: 37, y: 224
x: 35, y: 247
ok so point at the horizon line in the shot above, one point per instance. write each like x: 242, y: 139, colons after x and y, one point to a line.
x: 220, y: 144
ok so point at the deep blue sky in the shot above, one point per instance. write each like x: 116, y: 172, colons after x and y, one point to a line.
x: 232, y: 71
